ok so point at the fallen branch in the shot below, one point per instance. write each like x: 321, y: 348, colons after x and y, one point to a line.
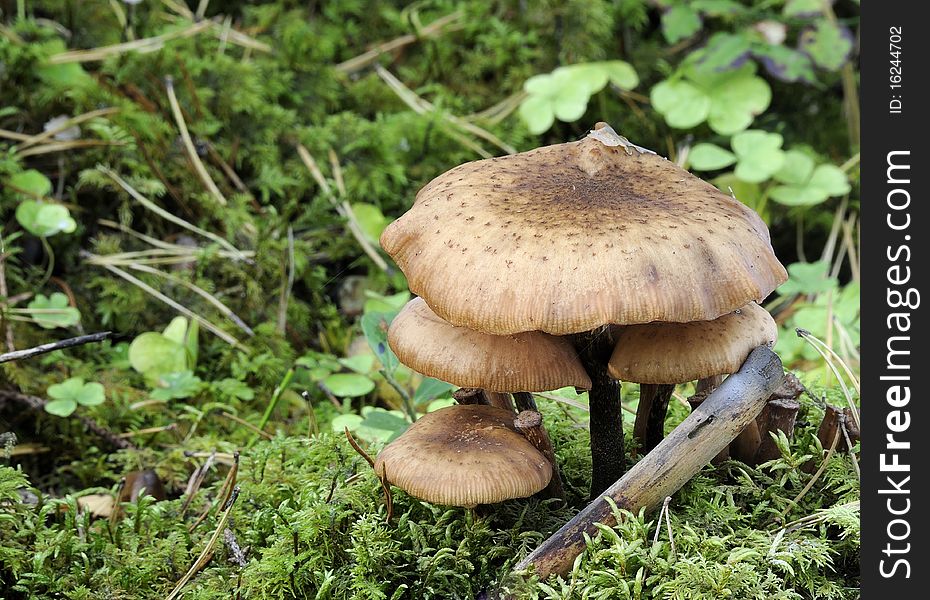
x: 692, y: 444
x: 52, y: 346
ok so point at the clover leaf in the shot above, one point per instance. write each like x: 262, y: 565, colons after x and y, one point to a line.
x: 683, y: 104
x: 806, y: 184
x: 67, y: 395
x: 808, y: 278
x: 370, y: 219
x: 156, y: 355
x: 176, y: 386
x: 429, y: 389
x: 736, y: 97
x: 785, y: 64
x: 802, y: 8
x: 749, y: 194
x: 728, y: 101
x: 52, y: 311
x: 760, y: 155
x: 680, y: 22
x: 564, y: 93
x: 348, y: 385
x: 723, y: 52
x: 828, y: 44
x: 710, y: 157
x: 65, y: 76
x: 375, y: 424
x: 375, y: 327
x: 31, y: 183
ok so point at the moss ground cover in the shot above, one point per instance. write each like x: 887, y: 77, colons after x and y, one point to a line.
x: 208, y: 180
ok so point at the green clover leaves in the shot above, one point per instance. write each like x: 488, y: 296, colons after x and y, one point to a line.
x: 799, y: 180
x: 563, y: 94
x: 757, y: 154
x: 40, y: 218
x: 727, y: 100
x: 805, y: 184
x: 52, y: 311
x: 67, y: 395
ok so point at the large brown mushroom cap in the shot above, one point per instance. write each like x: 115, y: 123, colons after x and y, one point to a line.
x: 464, y: 455
x: 524, y: 362
x: 679, y: 352
x: 569, y: 237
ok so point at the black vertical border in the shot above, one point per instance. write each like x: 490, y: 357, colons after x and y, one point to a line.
x: 884, y: 132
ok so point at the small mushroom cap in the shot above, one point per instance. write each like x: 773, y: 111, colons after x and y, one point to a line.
x: 680, y: 352
x: 524, y: 362
x: 464, y: 455
x: 570, y: 237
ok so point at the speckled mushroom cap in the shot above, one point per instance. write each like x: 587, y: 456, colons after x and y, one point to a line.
x: 680, y: 352
x: 524, y: 362
x: 570, y: 237
x: 464, y: 455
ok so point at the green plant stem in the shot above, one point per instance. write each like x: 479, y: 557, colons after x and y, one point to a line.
x: 405, y: 397
x: 285, y: 381
x: 51, y: 261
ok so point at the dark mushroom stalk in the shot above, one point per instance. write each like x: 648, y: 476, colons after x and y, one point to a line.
x: 649, y: 428
x: 605, y: 412
x: 660, y: 355
x: 692, y: 444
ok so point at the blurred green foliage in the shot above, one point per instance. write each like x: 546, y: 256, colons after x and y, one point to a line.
x: 107, y: 224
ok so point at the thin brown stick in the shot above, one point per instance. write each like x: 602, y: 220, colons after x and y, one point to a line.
x: 145, y: 44
x: 208, y: 550
x: 225, y: 491
x: 358, y: 448
x: 366, y: 58
x: 386, y: 488
x: 147, y: 431
x: 342, y: 208
x: 41, y: 137
x: 246, y: 424
x: 63, y: 146
x: 52, y: 346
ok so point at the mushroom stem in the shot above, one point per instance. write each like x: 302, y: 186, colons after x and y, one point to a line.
x: 606, y: 415
x: 778, y: 415
x: 649, y: 428
x: 708, y: 384
x: 479, y: 396
x: 524, y: 401
x: 671, y: 464
x: 834, y: 420
x: 530, y: 424
x: 754, y: 445
x: 746, y: 445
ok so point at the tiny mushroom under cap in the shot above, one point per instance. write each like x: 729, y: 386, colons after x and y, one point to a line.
x: 524, y: 362
x: 570, y: 237
x: 464, y: 455
x: 660, y: 353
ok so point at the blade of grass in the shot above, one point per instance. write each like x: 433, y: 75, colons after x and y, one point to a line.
x: 167, y: 215
x: 175, y: 305
x: 145, y: 45
x: 192, y: 155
